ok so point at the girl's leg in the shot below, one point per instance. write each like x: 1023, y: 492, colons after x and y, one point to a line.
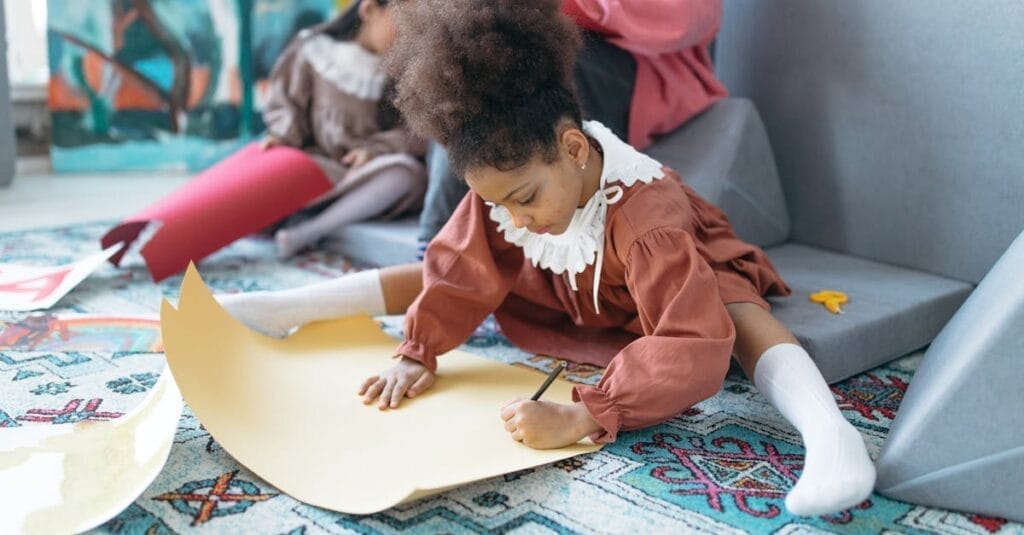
x: 838, y: 473
x: 375, y: 292
x: 369, y: 199
x: 400, y: 286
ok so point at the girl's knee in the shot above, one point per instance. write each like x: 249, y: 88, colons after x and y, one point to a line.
x: 756, y: 330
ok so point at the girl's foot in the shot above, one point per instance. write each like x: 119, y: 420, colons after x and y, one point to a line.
x: 287, y: 244
x: 278, y: 313
x: 838, y: 473
x: 260, y: 311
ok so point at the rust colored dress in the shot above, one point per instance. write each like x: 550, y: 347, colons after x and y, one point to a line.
x: 671, y: 263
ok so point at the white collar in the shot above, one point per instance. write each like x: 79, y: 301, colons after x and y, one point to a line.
x: 346, y: 65
x: 582, y: 244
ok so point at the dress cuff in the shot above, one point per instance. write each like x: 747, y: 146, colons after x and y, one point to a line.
x: 419, y: 352
x: 286, y: 134
x: 602, y: 409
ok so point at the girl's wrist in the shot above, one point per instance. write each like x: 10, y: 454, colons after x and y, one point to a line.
x: 585, y: 424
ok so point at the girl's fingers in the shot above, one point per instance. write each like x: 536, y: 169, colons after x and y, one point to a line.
x: 508, y: 411
x: 373, y: 391
x: 366, y: 384
x: 396, y: 395
x: 424, y: 382
x: 385, y: 395
x: 517, y: 435
x: 509, y: 426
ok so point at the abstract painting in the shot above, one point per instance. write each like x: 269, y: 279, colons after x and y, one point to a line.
x: 163, y: 84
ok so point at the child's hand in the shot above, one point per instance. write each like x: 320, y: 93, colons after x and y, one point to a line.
x: 546, y: 425
x: 356, y: 158
x: 270, y: 141
x: 407, y: 378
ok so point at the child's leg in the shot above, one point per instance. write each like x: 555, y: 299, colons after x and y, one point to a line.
x: 373, y: 197
x: 388, y: 290
x: 838, y: 472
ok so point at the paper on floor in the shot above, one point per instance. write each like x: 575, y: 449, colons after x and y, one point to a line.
x: 73, y: 477
x: 82, y: 332
x: 40, y: 287
x: 288, y: 409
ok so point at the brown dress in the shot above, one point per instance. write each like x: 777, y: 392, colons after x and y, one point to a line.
x: 324, y: 98
x: 671, y: 264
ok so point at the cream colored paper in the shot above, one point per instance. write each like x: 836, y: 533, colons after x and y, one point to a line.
x: 288, y: 409
x: 70, y: 478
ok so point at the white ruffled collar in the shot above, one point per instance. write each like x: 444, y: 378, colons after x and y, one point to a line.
x: 582, y: 244
x: 346, y: 65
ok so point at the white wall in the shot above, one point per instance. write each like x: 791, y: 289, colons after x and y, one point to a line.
x: 26, y: 42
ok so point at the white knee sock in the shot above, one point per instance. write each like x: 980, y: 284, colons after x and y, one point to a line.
x: 277, y: 313
x: 838, y: 473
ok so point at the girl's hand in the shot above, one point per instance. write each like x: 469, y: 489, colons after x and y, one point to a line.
x: 356, y: 158
x: 270, y: 141
x: 546, y: 425
x: 408, y: 378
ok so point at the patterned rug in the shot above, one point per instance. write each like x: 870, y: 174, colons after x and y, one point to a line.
x: 722, y: 467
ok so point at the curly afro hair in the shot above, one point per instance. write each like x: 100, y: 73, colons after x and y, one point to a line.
x: 491, y: 80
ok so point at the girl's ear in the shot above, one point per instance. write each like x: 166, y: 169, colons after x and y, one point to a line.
x: 574, y: 143
x: 364, y: 8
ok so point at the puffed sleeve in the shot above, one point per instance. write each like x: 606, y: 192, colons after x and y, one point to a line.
x: 468, y: 270
x: 286, y: 111
x: 684, y: 355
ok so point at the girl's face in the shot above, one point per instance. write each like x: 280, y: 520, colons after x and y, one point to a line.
x: 542, y: 196
x: 377, y: 29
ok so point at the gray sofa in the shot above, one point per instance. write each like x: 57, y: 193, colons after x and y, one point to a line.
x: 895, y: 173
x: 958, y: 440
x: 898, y: 129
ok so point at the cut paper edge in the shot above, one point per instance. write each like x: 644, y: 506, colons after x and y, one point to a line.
x: 195, y: 297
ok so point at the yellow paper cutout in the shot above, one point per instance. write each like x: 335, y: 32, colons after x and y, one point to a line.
x: 288, y: 409
x: 831, y: 299
x: 73, y: 477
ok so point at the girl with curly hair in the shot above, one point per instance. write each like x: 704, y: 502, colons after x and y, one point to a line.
x: 631, y: 52
x: 581, y: 247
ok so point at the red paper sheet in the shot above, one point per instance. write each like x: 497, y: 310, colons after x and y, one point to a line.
x: 242, y: 194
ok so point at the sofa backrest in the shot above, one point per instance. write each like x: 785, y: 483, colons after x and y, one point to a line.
x: 897, y: 127
x: 725, y: 156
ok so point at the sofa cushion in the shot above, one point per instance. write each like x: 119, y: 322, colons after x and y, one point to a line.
x: 958, y: 439
x: 724, y: 154
x: 891, y: 310
x: 377, y: 243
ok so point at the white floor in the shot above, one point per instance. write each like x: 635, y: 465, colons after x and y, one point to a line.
x: 38, y: 197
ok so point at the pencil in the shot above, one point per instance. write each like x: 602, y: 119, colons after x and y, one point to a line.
x: 547, y: 382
